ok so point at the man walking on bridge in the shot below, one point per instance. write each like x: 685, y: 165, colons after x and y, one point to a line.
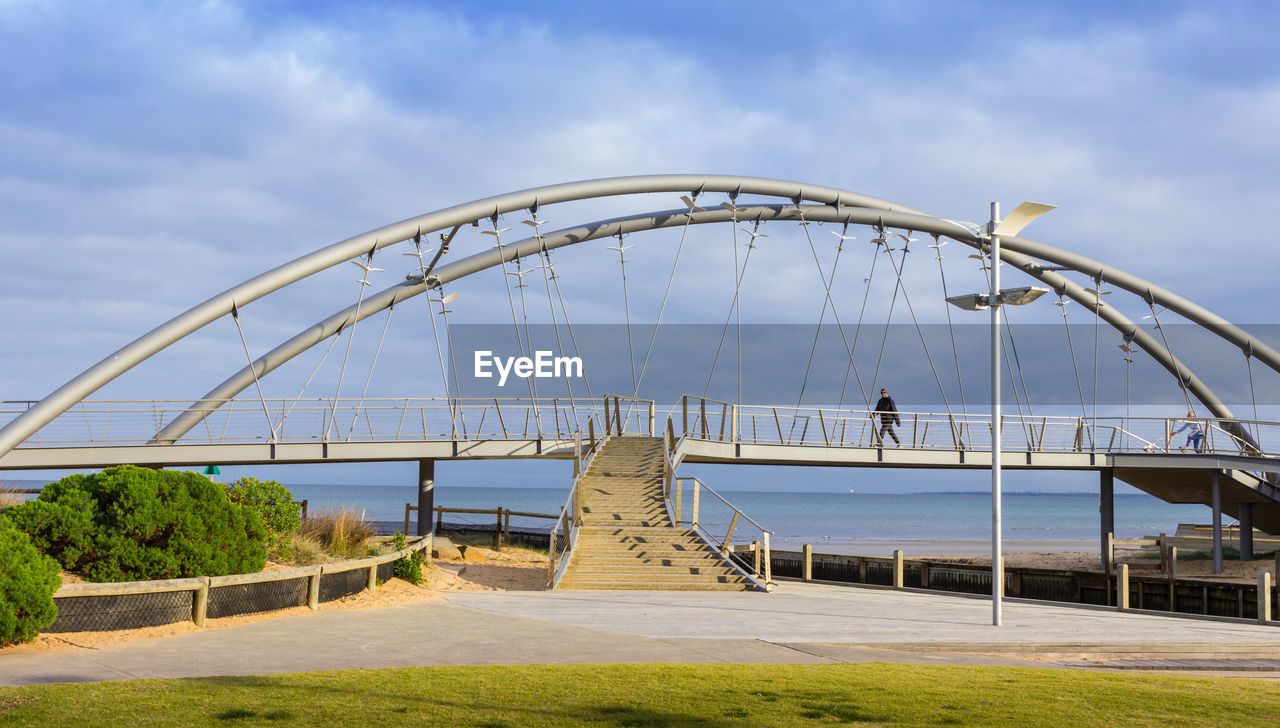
x: 888, y: 417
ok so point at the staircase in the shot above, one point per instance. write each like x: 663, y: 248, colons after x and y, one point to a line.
x: 627, y: 540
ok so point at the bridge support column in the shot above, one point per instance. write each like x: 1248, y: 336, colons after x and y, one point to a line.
x: 1215, y: 498
x: 1246, y: 530
x: 426, y: 496
x: 1107, y: 513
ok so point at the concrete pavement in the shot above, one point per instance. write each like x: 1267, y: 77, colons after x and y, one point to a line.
x: 798, y: 623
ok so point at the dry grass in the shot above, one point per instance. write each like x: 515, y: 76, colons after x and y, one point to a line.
x: 10, y: 498
x: 342, y: 532
x: 299, y: 550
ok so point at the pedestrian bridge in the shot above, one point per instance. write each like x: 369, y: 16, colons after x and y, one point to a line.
x: 767, y: 233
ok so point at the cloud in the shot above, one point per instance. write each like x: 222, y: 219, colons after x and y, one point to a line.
x: 158, y: 155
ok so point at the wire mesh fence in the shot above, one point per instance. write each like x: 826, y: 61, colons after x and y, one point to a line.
x: 120, y: 611
x: 266, y: 596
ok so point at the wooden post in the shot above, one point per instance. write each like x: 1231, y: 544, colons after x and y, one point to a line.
x: 408, y: 508
x: 679, y: 499
x: 506, y: 526
x: 807, y: 573
x: 200, y: 603
x: 897, y: 569
x: 304, y: 509
x: 755, y: 558
x: 551, y: 560
x: 591, y: 432
x: 439, y: 519
x: 1163, y: 543
x: 497, y: 532
x: 733, y: 523
x: 1122, y: 587
x: 1264, y: 597
x: 372, y: 583
x: 862, y: 571
x: 313, y: 590
x: 768, y: 561
x: 693, y: 517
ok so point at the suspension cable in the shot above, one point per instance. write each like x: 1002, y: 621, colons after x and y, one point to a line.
x: 1178, y: 374
x: 235, y: 316
x: 524, y: 345
x: 367, y: 268
x: 857, y: 331
x: 626, y: 307
x: 545, y: 266
x: 333, y: 340
x: 690, y: 201
x: 827, y: 301
x: 955, y: 351
x: 906, y: 248
x: 1062, y: 304
x: 739, y: 276
x: 356, y: 415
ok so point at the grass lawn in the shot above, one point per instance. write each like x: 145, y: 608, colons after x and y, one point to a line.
x: 656, y: 695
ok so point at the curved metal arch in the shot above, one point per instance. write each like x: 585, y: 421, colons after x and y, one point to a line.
x: 650, y: 221
x: 159, y: 338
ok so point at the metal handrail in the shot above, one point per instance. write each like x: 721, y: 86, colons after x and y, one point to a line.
x: 672, y: 486
x: 570, y: 515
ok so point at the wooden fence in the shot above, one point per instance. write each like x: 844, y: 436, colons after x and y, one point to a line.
x: 501, y: 525
x: 124, y: 605
x: 1166, y: 592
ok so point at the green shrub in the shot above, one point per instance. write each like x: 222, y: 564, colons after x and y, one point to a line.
x: 130, y: 523
x: 28, y: 580
x: 273, y: 503
x: 408, y: 568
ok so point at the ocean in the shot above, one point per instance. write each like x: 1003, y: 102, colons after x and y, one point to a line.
x: 849, y: 523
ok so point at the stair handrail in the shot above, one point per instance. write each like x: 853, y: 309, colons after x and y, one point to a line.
x: 673, y: 456
x: 761, y: 569
x: 571, y: 514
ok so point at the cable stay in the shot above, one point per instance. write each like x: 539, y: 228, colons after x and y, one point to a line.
x: 684, y: 231
x: 739, y: 276
x: 1012, y: 364
x: 364, y: 391
x: 1062, y: 305
x: 548, y: 272
x: 366, y: 267
x: 955, y: 351
x: 457, y: 417
x: 906, y: 248
x: 235, y: 316
x: 424, y: 270
x: 626, y: 307
x: 1180, y: 375
x: 827, y: 283
x: 524, y: 345
x: 883, y: 241
x: 333, y: 340
x: 857, y: 331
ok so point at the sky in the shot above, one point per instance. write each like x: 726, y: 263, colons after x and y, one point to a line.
x: 156, y: 154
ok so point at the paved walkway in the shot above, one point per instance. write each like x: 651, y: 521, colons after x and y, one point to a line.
x: 798, y: 623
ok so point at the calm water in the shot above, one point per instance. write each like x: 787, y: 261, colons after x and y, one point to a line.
x: 833, y: 522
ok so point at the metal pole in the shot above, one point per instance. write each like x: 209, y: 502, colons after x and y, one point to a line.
x: 997, y: 565
x: 426, y: 497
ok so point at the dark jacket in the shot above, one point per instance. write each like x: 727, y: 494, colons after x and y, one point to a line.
x: 888, y: 410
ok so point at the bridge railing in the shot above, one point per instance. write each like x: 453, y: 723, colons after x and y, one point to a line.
x: 718, y: 522
x: 706, y: 419
x: 131, y: 422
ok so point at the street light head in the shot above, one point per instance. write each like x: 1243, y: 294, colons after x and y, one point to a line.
x: 971, y: 302
x: 1021, y: 296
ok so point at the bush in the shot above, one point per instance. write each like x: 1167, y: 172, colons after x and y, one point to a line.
x: 28, y: 580
x: 273, y: 504
x: 408, y: 568
x: 130, y: 523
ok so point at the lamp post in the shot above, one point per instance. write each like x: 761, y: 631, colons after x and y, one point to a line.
x: 1021, y: 216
